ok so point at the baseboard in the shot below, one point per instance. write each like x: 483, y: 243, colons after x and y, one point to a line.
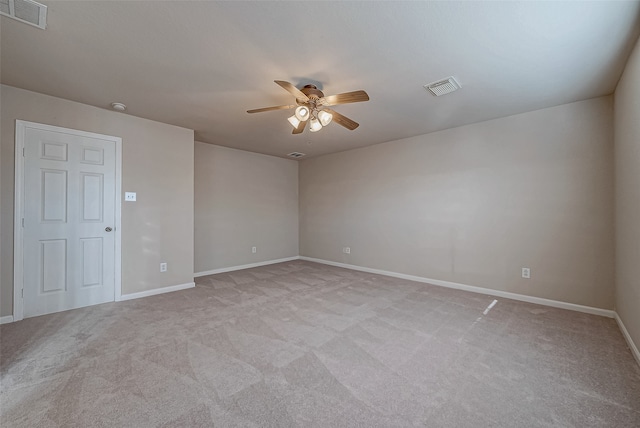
x: 473, y: 289
x: 249, y: 266
x: 6, y: 320
x: 157, y: 291
x: 627, y: 337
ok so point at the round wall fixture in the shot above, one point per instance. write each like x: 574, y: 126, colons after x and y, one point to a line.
x: 118, y: 106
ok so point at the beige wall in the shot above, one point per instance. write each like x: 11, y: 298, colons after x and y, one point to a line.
x: 243, y: 200
x: 157, y: 164
x: 627, y: 158
x: 475, y: 204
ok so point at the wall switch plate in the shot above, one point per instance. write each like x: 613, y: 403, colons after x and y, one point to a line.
x: 163, y: 267
x: 346, y: 250
x: 130, y: 196
x: 526, y: 273
x: 254, y: 250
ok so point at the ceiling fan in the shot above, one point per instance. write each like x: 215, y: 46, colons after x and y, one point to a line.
x: 312, y: 107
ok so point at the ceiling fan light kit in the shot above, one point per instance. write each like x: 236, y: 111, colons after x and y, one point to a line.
x: 312, y: 107
x: 324, y: 117
x: 293, y: 120
x: 314, y: 125
x: 302, y: 113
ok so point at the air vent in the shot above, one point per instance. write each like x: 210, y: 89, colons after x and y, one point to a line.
x: 296, y: 155
x: 26, y: 11
x: 442, y: 87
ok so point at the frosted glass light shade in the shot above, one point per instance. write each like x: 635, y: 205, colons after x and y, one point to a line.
x: 324, y: 117
x: 294, y: 121
x: 314, y: 125
x: 302, y: 113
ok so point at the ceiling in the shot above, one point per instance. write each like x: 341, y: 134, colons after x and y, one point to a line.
x: 201, y: 65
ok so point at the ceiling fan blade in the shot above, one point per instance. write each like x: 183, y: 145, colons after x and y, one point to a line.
x: 292, y: 90
x: 300, y: 127
x: 260, y: 110
x: 346, y: 98
x: 342, y: 120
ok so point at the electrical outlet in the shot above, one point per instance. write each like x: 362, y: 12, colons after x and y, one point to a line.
x: 526, y: 273
x: 346, y: 250
x: 163, y: 267
x: 254, y: 250
x: 130, y: 196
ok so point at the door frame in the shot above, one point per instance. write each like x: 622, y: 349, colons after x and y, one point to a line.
x: 18, y: 213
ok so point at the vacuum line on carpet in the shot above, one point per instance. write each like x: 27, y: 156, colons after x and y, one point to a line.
x: 486, y: 311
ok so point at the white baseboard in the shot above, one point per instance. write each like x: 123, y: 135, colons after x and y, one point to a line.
x: 627, y: 337
x: 473, y: 289
x: 6, y: 320
x: 249, y: 266
x: 157, y: 291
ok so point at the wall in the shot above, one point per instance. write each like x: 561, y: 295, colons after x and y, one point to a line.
x: 475, y: 204
x: 627, y: 162
x: 243, y: 200
x: 157, y: 164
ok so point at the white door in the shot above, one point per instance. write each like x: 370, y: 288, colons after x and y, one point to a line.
x: 69, y: 217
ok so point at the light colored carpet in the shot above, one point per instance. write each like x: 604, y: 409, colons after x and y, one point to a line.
x: 305, y: 345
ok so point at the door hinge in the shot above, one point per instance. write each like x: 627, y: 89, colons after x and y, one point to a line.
x: 23, y: 152
x: 23, y: 293
x: 22, y: 221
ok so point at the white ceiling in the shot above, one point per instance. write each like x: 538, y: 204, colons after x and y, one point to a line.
x: 201, y: 65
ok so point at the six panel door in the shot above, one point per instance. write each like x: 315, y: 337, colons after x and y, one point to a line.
x: 69, y: 216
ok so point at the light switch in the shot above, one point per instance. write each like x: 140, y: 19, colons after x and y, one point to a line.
x: 130, y: 196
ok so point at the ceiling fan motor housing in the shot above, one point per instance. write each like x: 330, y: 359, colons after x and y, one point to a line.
x: 312, y: 92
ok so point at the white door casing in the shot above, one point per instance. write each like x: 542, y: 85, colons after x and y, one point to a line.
x: 67, y: 228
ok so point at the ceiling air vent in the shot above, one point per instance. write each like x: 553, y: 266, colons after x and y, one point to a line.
x: 26, y: 11
x: 442, y: 87
x: 296, y: 155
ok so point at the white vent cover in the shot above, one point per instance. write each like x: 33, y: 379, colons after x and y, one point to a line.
x: 442, y: 87
x: 26, y: 11
x: 296, y: 155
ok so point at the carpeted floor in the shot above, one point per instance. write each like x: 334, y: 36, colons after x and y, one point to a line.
x: 305, y: 345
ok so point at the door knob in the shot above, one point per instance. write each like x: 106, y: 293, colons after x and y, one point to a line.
x: 108, y: 229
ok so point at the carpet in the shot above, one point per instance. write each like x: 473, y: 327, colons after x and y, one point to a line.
x: 300, y: 344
